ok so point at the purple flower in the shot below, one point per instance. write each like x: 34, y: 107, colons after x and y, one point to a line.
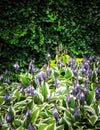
x: 82, y: 98
x: 76, y: 112
x: 97, y: 93
x: 98, y: 70
x: 30, y: 90
x: 20, y: 88
x: 89, y: 72
x: 16, y: 66
x: 44, y: 76
x: 86, y: 91
x: 68, y: 98
x: 7, y: 97
x: 7, y: 73
x: 8, y: 81
x: 91, y: 58
x: 56, y: 82
x: 8, y: 117
x: 31, y: 67
x: 74, y: 91
x: 1, y: 78
x: 28, y: 113
x: 83, y: 70
x: 72, y: 63
x: 49, y: 71
x: 31, y: 127
x: 55, y: 113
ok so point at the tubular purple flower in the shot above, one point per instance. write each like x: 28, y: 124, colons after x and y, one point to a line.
x: 8, y: 117
x: 31, y: 127
x: 16, y: 66
x: 97, y: 93
x: 8, y: 81
x: 76, y: 112
x: 56, y: 82
x: 91, y: 58
x: 72, y: 62
x: 74, y: 91
x: 82, y: 98
x: 68, y: 98
x: 55, y: 113
x: 30, y: 90
x: 44, y: 76
x: 7, y: 97
x: 20, y: 88
x: 49, y: 71
x: 98, y: 70
x: 31, y: 67
x: 89, y: 72
x: 83, y: 70
x: 28, y: 113
x: 86, y: 91
x: 1, y: 78
x: 7, y: 73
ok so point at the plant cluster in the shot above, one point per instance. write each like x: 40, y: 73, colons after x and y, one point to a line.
x: 64, y: 94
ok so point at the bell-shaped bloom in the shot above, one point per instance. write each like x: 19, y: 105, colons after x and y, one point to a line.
x: 76, y: 112
x: 31, y: 67
x: 1, y: 78
x: 30, y: 90
x: 16, y: 66
x: 55, y: 113
x: 97, y: 93
x: 82, y: 98
x: 8, y: 117
x: 31, y: 127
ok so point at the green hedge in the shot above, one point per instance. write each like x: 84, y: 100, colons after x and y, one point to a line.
x: 31, y: 28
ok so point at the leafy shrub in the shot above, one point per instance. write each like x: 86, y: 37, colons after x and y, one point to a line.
x: 29, y: 28
x: 64, y: 94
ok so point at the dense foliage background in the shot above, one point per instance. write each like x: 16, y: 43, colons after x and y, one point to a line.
x: 28, y: 29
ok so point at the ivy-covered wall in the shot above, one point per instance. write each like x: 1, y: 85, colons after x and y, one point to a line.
x: 30, y: 28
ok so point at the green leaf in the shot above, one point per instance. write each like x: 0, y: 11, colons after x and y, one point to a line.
x: 43, y: 127
x: 93, y: 119
x: 68, y: 74
x: 61, y: 91
x: 61, y: 127
x: 17, y: 122
x: 52, y: 127
x: 90, y: 97
x: 45, y: 91
x: 35, y: 114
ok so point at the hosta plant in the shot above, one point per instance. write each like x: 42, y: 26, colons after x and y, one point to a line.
x: 63, y: 95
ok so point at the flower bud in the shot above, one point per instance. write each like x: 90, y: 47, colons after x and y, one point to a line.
x: 56, y: 82
x: 97, y: 93
x: 8, y: 81
x: 16, y: 66
x: 31, y: 67
x: 1, y: 78
x: 68, y: 98
x: 82, y: 98
x: 76, y: 112
x: 8, y: 117
x: 7, y: 73
x: 28, y: 113
x: 55, y: 113
x: 31, y: 127
x: 30, y: 90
